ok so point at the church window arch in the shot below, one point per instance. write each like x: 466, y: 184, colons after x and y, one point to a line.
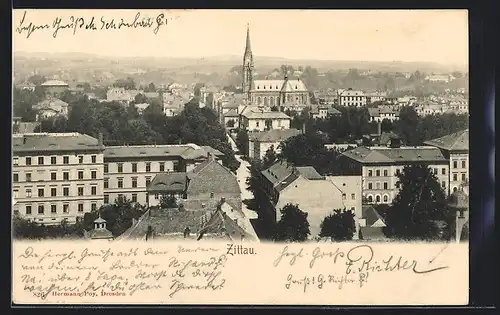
x: 386, y: 198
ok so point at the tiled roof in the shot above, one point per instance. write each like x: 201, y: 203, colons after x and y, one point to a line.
x: 386, y: 137
x: 309, y: 172
x: 50, y: 102
x: 293, y: 85
x: 100, y: 234
x: 395, y: 155
x: 185, y: 151
x: 267, y: 85
x: 274, y: 135
x: 266, y: 115
x: 370, y: 215
x: 373, y: 111
x: 352, y: 93
x: 54, y: 83
x: 168, y: 182
x: 455, y: 141
x: 231, y: 113
x: 54, y: 142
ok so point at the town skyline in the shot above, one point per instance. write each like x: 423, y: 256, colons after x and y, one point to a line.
x: 392, y: 35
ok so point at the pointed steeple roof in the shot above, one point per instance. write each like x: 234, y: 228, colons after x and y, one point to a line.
x: 248, y: 48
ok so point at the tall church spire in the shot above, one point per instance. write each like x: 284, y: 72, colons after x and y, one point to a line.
x: 247, y: 68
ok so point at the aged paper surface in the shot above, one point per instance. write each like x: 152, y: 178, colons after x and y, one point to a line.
x: 162, y: 268
x: 218, y: 273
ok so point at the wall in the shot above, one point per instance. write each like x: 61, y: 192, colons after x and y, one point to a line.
x: 460, y: 171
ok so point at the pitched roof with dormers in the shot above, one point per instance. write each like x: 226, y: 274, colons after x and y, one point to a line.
x: 395, y: 155
x: 456, y: 141
x: 186, y: 151
x: 47, y: 142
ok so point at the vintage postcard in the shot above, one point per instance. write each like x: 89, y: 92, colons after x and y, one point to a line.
x: 263, y: 157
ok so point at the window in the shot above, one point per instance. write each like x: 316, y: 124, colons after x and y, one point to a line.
x: 257, y: 124
x: 162, y: 166
x: 443, y: 171
x: 65, y: 159
x: 41, y: 192
x: 15, y: 177
x: 53, y: 208
x: 28, y: 193
x: 148, y: 180
x: 94, y: 158
x: 106, y: 199
x: 148, y: 167
x: 28, y: 177
x: 53, y: 160
x: 463, y: 164
x: 435, y: 171
x: 147, y: 198
x: 455, y: 177
x: 106, y: 167
x: 93, y: 206
x: 344, y: 197
x: 15, y: 161
x: 80, y: 159
x: 106, y: 183
x: 134, y: 197
x: 353, y: 196
x: 157, y: 196
x: 80, y: 191
x: 41, y: 209
x: 120, y: 182
x: 463, y: 176
x: 386, y: 198
x: 455, y: 164
x: 134, y: 167
x: 398, y: 172
x: 65, y: 191
x: 40, y: 160
x: 93, y: 174
x: 134, y: 182
x: 16, y: 194
x: 66, y: 175
x: 28, y: 210
x: 377, y: 198
x: 28, y: 161
x: 80, y: 174
x: 93, y: 190
x: 385, y: 172
x: 455, y: 189
x: 53, y: 192
x: 65, y: 208
x: 370, y: 198
x: 443, y: 184
x: 120, y: 167
x: 377, y: 172
x: 370, y: 186
x: 386, y: 186
x: 80, y: 207
x: 377, y: 185
x: 370, y: 173
x: 53, y: 176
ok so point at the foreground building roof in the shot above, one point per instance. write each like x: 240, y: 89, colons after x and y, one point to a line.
x: 458, y: 141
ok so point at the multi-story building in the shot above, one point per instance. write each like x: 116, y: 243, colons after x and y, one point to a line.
x: 50, y: 107
x: 455, y: 148
x: 380, y: 113
x: 264, y: 120
x: 351, y: 97
x: 57, y: 176
x: 261, y: 141
x: 379, y: 167
x: 128, y: 170
x: 54, y: 87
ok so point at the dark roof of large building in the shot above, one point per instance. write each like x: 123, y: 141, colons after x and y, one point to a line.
x: 273, y: 135
x: 100, y: 234
x: 370, y: 215
x: 456, y: 141
x: 395, y: 155
x: 168, y: 182
x: 309, y: 172
x: 50, y: 142
x: 372, y: 233
x: 186, y: 151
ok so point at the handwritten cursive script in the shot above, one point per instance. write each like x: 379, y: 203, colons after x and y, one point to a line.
x: 74, y: 24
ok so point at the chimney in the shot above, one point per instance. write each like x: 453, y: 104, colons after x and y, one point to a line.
x: 24, y: 139
x: 379, y: 128
x: 100, y: 139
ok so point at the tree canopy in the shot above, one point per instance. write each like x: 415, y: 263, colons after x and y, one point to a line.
x: 293, y: 225
x: 339, y: 226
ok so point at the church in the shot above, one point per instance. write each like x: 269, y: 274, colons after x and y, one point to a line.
x: 280, y: 93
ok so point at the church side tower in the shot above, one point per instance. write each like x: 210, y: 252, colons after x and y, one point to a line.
x: 247, y: 68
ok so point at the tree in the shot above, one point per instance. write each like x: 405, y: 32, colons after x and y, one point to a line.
x: 407, y: 125
x: 419, y: 204
x: 127, y: 84
x: 242, y: 141
x: 140, y: 99
x: 386, y: 125
x: 230, y: 123
x: 339, y: 225
x: 293, y: 225
x: 150, y: 88
x: 168, y: 202
x: 270, y: 158
x: 37, y: 79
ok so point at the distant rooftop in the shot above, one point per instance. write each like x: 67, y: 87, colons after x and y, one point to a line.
x: 454, y: 141
x: 274, y: 135
x: 265, y: 115
x: 395, y: 155
x: 186, y: 151
x: 36, y: 142
x: 54, y: 83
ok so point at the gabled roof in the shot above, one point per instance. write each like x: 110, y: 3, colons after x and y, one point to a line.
x: 168, y: 182
x: 231, y: 113
x: 454, y: 141
x: 293, y: 85
x: 188, y: 151
x: 309, y: 172
x: 371, y: 215
x: 395, y: 155
x: 265, y: 115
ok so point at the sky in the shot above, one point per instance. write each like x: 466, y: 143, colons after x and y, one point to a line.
x: 363, y: 35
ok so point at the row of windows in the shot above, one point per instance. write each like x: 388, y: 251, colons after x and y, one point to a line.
x: 120, y: 182
x: 54, y: 210
x: 386, y: 172
x: 53, y: 160
x: 352, y: 98
x: 463, y: 176
x: 134, y: 198
x: 377, y: 198
x: 53, y: 176
x: 53, y: 192
x: 455, y: 164
x: 134, y: 167
x: 353, y: 196
x: 386, y: 185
